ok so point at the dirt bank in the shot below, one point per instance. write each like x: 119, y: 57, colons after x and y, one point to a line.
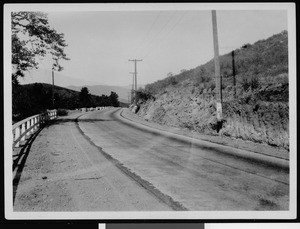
x: 260, y: 116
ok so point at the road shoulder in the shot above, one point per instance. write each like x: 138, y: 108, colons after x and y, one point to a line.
x: 231, y: 142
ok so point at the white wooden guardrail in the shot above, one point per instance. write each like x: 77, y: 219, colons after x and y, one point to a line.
x: 29, y: 125
x: 85, y: 109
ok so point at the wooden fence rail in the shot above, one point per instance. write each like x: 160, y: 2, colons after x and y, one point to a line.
x: 28, y: 126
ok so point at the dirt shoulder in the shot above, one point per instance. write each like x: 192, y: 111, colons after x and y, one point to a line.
x: 62, y: 171
x: 232, y: 142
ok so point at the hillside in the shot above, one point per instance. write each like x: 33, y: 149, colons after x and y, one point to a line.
x: 31, y: 99
x: 259, y: 112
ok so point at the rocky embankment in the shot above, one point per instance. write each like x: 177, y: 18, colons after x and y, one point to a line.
x: 260, y: 116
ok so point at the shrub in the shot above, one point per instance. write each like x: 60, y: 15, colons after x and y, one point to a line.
x: 62, y: 112
x: 211, y: 85
x: 282, y: 78
x: 144, y: 95
x: 245, y: 83
x: 254, y: 83
x: 173, y: 80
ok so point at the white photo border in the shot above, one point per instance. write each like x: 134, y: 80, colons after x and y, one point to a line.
x: 133, y: 215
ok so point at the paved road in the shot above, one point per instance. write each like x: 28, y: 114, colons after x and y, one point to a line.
x: 99, y: 161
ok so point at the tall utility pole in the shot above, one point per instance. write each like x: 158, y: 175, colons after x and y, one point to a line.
x: 135, y: 74
x: 233, y: 74
x: 132, y: 89
x: 217, y: 66
x: 52, y: 87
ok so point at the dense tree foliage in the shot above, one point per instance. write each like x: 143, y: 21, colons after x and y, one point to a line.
x: 113, y: 99
x: 33, y: 37
x: 85, y: 97
x: 143, y: 95
x: 31, y: 99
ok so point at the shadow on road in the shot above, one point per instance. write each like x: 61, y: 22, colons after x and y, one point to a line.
x: 19, y: 161
x: 80, y: 120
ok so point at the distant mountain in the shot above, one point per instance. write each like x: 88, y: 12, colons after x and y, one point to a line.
x: 61, y: 80
x: 123, y: 92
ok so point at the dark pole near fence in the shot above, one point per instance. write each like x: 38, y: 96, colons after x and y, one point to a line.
x: 52, y: 88
x: 233, y: 74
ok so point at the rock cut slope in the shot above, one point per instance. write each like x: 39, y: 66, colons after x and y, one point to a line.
x: 260, y: 110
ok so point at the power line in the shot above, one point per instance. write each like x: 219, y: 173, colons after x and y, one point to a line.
x: 160, y: 31
x: 168, y: 32
x: 148, y: 32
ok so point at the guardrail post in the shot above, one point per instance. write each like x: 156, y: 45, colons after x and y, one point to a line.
x: 31, y: 125
x: 35, y: 123
x: 17, y: 135
x: 27, y: 127
x: 23, y: 131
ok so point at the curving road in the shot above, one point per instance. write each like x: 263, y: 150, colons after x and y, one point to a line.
x: 189, y: 176
x: 105, y: 162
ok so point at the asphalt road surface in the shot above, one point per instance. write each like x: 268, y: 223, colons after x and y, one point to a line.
x: 100, y: 161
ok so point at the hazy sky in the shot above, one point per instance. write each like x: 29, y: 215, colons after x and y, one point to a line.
x: 101, y: 43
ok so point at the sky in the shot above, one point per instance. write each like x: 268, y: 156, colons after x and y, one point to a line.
x: 100, y: 43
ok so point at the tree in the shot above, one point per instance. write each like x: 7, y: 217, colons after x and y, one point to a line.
x: 32, y: 37
x: 85, y: 97
x: 30, y: 100
x: 113, y: 98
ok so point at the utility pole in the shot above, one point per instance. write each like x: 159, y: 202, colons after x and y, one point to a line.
x: 52, y: 87
x: 132, y: 89
x: 233, y: 74
x: 135, y: 74
x: 217, y: 66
